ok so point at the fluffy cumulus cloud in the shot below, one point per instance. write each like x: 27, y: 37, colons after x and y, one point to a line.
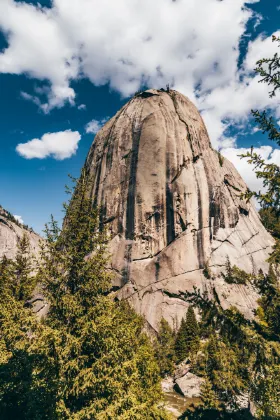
x: 19, y: 218
x: 94, y: 125
x: 60, y: 146
x: 131, y: 43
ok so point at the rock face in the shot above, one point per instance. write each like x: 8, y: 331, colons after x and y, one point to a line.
x: 11, y: 232
x: 189, y: 385
x: 172, y: 206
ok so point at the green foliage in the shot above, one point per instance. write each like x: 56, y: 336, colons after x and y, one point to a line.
x: 207, y: 271
x: 6, y: 276
x: 271, y: 221
x: 165, y: 353
x: 223, y: 367
x: 238, y: 358
x: 268, y: 69
x: 267, y: 392
x: 213, y: 414
x: 24, y: 280
x: 269, y: 304
x: 181, y: 342
x: 235, y: 275
x: 7, y: 215
x: 89, y: 358
x: 208, y: 396
x: 187, y: 339
x: 16, y: 277
x: 270, y: 175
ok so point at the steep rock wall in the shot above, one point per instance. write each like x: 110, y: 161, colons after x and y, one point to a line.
x: 172, y: 207
x: 10, y: 234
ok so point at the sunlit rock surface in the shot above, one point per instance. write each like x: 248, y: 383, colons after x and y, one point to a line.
x: 11, y: 233
x: 172, y: 206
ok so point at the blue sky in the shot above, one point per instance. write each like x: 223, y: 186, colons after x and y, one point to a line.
x: 66, y: 63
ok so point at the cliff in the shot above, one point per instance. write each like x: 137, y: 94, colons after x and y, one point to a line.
x: 11, y: 231
x: 172, y: 206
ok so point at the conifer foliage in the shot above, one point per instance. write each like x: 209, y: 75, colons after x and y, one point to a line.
x: 187, y: 339
x: 16, y: 277
x: 165, y: 353
x: 88, y: 359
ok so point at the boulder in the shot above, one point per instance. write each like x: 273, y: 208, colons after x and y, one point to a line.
x: 189, y: 385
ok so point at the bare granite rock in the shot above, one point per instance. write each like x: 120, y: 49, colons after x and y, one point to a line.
x: 172, y: 206
x: 189, y: 385
x: 11, y: 233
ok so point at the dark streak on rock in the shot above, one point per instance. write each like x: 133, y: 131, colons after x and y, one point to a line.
x: 97, y: 183
x: 157, y: 265
x: 131, y: 196
x: 182, y: 223
x: 170, y: 228
x: 173, y: 97
x: 200, y: 250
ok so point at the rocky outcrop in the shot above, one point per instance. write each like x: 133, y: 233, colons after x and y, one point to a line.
x: 172, y: 206
x: 189, y: 385
x: 10, y: 233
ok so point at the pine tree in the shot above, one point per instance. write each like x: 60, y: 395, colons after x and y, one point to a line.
x: 187, y: 339
x: 269, y: 304
x: 192, y: 331
x: 181, y: 342
x: 16, y: 277
x: 89, y: 358
x: 208, y: 397
x: 269, y: 173
x: 165, y: 353
x: 6, y: 275
x: 24, y: 280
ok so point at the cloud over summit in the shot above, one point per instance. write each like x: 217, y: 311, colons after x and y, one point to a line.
x: 130, y: 43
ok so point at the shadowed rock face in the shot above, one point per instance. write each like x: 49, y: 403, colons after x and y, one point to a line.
x: 172, y: 206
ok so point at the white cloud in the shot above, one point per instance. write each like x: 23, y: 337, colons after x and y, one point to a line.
x: 94, y: 125
x: 19, y: 219
x: 60, y: 146
x: 245, y: 169
x: 82, y: 107
x: 193, y: 47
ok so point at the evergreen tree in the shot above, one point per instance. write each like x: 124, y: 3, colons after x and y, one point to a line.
x: 269, y: 173
x: 24, y: 280
x: 89, y: 359
x: 165, y: 352
x: 271, y: 221
x: 187, y: 339
x: 6, y: 275
x: 16, y: 276
x: 208, y: 397
x: 269, y: 304
x: 266, y: 393
x: 181, y: 342
x: 234, y: 275
x: 192, y: 331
